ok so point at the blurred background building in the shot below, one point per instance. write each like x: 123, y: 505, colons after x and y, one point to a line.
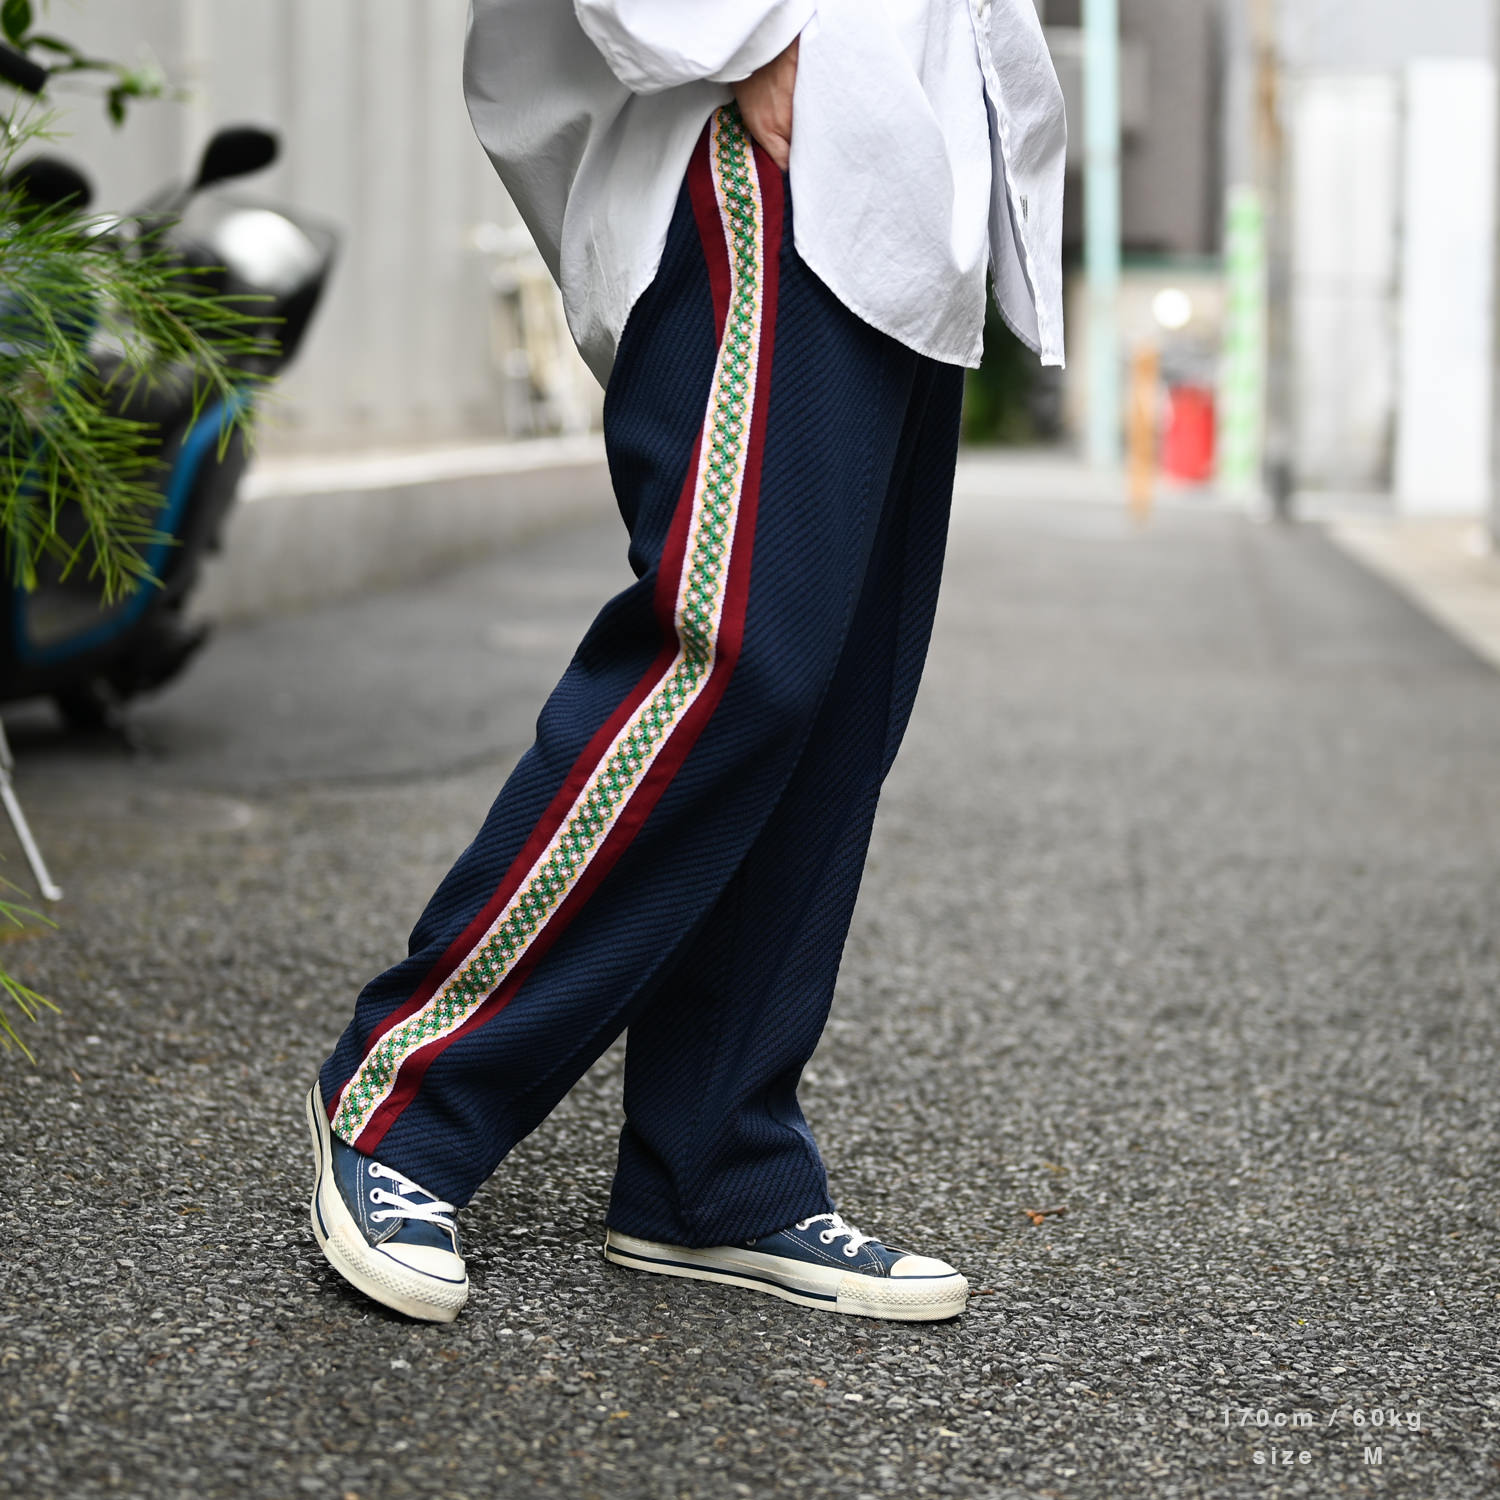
x: 1356, y: 139
x: 1334, y: 340
x: 1389, y: 175
x: 441, y: 324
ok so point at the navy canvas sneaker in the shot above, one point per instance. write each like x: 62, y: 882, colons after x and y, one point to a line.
x: 819, y: 1262
x: 382, y: 1233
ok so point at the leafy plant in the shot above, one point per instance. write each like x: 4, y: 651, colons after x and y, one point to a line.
x: 15, y: 996
x: 123, y: 83
x: 998, y: 396
x: 92, y: 312
x: 88, y: 315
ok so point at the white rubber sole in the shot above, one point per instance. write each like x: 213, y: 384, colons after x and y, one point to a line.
x: 368, y: 1268
x: 905, y: 1299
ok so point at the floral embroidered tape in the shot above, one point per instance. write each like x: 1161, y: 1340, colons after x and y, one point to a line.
x: 699, y: 608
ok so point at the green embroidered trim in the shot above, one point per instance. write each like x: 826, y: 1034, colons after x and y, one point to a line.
x: 720, y: 478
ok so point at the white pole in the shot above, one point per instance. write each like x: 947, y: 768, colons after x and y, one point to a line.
x: 1101, y: 91
x: 12, y: 804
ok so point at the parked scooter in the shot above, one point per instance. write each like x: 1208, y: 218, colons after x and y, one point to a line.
x: 59, y: 640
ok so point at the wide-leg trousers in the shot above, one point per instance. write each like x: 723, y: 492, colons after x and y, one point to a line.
x: 680, y: 849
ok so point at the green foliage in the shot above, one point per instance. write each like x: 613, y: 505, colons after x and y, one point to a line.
x: 88, y: 316
x: 997, y: 396
x: 16, y: 19
x: 123, y: 83
x: 15, y: 996
x: 92, y: 314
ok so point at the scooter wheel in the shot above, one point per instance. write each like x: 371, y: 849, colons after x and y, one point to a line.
x: 91, y: 709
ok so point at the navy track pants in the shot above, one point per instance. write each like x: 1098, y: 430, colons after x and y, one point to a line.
x: 680, y: 850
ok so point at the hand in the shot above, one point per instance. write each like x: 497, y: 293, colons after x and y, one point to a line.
x: 765, y: 101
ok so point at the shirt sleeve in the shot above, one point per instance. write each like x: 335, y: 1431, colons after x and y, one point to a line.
x: 651, y: 45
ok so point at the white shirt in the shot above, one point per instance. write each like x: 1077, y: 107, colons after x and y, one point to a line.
x: 927, y: 142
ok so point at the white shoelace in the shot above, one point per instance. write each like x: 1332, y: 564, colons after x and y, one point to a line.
x: 838, y: 1230
x: 433, y: 1211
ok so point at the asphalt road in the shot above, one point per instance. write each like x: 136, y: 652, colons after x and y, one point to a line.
x: 1180, y: 932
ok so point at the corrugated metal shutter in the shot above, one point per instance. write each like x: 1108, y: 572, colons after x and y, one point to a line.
x: 367, y: 94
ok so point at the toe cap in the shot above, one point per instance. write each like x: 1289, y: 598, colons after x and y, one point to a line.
x: 427, y: 1260
x: 921, y: 1265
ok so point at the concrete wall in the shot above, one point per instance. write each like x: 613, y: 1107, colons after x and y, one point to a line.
x: 367, y: 94
x: 1170, y: 172
x: 1382, y: 34
x: 1443, y: 452
x: 1171, y: 151
x: 1344, y: 165
x: 1391, y: 162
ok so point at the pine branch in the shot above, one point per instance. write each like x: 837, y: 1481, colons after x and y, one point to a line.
x: 94, y: 316
x: 89, y: 321
x: 13, y: 994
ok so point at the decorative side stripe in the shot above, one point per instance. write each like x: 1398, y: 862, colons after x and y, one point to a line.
x: 609, y: 799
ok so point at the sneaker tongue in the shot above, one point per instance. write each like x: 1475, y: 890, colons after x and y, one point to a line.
x: 418, y: 1232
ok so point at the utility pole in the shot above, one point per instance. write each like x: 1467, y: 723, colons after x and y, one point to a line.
x: 1254, y: 446
x: 1271, y: 179
x: 1101, y: 88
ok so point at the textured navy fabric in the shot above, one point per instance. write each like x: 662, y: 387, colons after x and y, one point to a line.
x: 717, y: 935
x: 365, y: 1192
x: 819, y: 1245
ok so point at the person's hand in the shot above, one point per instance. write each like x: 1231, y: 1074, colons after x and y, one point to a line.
x: 765, y: 101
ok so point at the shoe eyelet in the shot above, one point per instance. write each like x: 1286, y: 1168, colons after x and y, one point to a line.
x: 374, y: 1169
x: 850, y: 1251
x: 826, y: 1236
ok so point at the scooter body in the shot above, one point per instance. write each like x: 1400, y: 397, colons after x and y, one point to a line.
x: 60, y: 640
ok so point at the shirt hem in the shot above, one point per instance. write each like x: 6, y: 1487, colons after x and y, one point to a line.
x: 969, y: 361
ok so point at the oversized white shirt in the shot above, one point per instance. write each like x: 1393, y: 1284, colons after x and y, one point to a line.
x: 927, y: 143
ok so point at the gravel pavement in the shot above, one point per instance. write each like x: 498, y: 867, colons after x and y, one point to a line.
x: 1169, y: 1015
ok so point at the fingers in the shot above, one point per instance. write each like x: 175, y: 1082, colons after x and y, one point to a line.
x: 765, y: 100
x: 771, y: 125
